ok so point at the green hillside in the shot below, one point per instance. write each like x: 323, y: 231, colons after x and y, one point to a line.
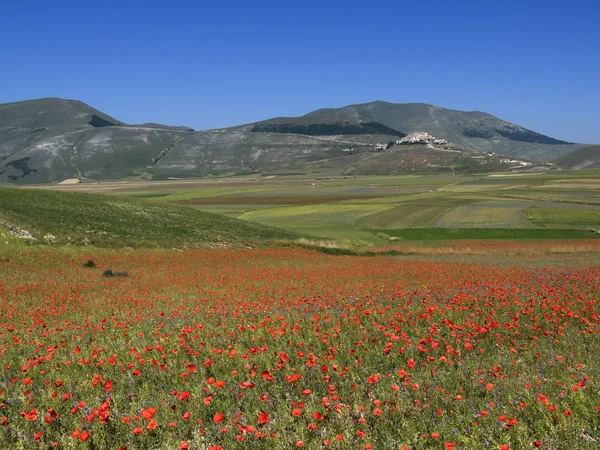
x: 104, y: 221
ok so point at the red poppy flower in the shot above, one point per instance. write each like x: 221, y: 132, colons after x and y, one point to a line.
x: 31, y: 415
x: 148, y: 413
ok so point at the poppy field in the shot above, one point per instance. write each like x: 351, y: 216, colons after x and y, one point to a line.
x: 281, y: 348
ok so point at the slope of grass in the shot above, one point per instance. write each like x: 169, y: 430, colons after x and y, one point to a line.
x: 105, y: 221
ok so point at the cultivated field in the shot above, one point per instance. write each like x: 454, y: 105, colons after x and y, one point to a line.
x: 358, y: 209
x: 484, y: 216
x: 559, y: 218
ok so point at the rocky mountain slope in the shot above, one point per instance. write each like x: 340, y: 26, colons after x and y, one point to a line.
x: 473, y: 129
x: 50, y: 140
x: 583, y: 158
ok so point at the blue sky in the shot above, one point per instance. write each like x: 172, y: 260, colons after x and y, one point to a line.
x: 215, y: 64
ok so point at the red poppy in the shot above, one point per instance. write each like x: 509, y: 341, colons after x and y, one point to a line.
x: 31, y: 415
x: 148, y: 413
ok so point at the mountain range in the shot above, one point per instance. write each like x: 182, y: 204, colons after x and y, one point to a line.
x: 52, y: 139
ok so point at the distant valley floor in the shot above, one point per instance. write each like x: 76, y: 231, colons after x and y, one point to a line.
x: 381, y: 210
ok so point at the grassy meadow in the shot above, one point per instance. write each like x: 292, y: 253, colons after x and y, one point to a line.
x: 410, y: 312
x: 72, y: 218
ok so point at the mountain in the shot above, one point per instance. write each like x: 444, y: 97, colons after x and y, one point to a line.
x: 165, y: 127
x: 472, y: 129
x: 49, y: 140
x: 47, y: 113
x: 583, y: 158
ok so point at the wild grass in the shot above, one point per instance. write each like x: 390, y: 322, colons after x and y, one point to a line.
x: 65, y: 218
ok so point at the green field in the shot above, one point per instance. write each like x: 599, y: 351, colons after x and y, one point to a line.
x: 416, y: 211
x: 409, y: 215
x: 565, y: 218
x: 85, y: 219
x: 484, y: 216
x: 366, y: 209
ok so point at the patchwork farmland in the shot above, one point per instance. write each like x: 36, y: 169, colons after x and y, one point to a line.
x: 362, y: 209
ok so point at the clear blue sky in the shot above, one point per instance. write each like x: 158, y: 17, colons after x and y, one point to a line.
x: 214, y: 64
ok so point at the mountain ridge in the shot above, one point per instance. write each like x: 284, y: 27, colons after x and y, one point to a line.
x: 407, y: 115
x: 51, y: 139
